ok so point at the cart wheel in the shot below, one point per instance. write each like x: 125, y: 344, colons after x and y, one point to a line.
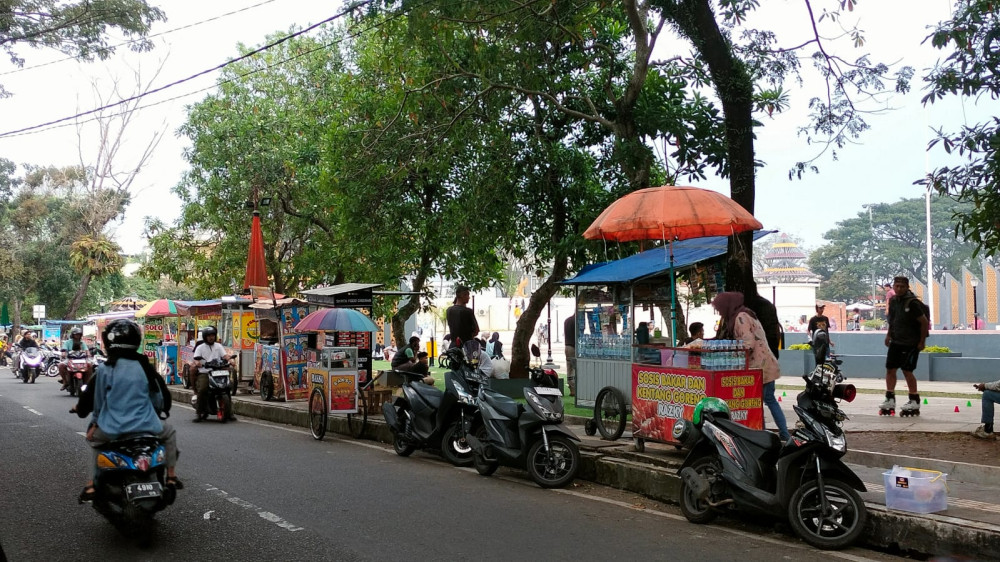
x: 610, y: 413
x: 357, y: 423
x: 640, y: 445
x: 317, y: 414
x: 590, y: 427
x: 266, y: 386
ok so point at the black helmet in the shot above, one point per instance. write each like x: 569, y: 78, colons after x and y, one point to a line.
x: 76, y: 331
x: 209, y: 331
x: 121, y: 335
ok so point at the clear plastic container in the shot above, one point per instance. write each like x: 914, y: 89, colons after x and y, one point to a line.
x: 916, y: 490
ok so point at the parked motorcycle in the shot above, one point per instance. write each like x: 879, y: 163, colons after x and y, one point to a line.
x: 220, y: 401
x: 533, y: 437
x: 427, y: 418
x: 78, y: 369
x: 130, y: 486
x: 31, y: 364
x: 52, y: 357
x: 803, y: 481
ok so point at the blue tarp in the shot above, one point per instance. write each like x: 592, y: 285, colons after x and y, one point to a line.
x: 654, y: 262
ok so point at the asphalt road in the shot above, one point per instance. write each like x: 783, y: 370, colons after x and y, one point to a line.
x: 258, y: 491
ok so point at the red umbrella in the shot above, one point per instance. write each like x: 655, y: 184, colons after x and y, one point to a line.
x: 256, y: 269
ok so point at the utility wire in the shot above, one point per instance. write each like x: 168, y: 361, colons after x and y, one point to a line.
x: 160, y: 34
x: 218, y: 67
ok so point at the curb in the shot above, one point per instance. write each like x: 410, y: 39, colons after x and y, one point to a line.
x: 617, y: 468
x: 961, y: 471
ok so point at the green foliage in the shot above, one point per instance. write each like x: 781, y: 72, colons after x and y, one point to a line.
x: 874, y: 324
x: 800, y: 346
x: 936, y: 349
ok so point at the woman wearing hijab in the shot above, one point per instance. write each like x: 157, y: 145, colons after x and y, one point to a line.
x: 740, y: 323
x: 495, y: 347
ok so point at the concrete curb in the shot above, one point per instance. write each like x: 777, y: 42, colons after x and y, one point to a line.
x: 960, y: 471
x: 657, y: 478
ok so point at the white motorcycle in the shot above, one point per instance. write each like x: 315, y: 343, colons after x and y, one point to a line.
x: 31, y: 364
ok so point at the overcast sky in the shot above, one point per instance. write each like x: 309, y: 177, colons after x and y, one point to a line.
x: 882, y: 168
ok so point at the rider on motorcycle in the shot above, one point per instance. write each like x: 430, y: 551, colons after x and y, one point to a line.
x: 123, y: 402
x: 74, y: 343
x: 208, y: 350
x: 28, y: 341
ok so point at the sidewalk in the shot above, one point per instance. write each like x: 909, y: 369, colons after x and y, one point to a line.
x: 969, y: 527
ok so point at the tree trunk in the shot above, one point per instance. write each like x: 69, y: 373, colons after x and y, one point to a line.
x: 15, y: 318
x: 81, y: 292
x: 412, y: 305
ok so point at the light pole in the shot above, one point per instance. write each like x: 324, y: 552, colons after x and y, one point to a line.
x: 975, y: 304
x: 930, y: 258
x: 548, y: 329
x: 871, y: 249
x: 774, y: 293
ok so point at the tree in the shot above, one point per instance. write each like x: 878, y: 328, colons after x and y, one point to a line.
x: 971, y: 70
x: 77, y: 28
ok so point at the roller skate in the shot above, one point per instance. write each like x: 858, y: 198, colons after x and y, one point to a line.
x: 888, y: 408
x: 911, y: 408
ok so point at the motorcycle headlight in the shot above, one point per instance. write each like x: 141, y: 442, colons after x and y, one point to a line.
x: 542, y: 408
x: 464, y: 397
x: 836, y: 442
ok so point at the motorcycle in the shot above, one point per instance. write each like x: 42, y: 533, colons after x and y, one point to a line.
x: 220, y: 400
x: 427, y: 418
x: 130, y: 486
x: 803, y: 481
x: 52, y: 357
x: 31, y: 364
x: 77, y: 367
x: 533, y: 437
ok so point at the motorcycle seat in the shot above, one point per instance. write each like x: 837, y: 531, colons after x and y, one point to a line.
x: 504, y: 405
x: 429, y: 393
x: 764, y: 439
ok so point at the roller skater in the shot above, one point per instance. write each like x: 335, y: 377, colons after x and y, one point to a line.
x: 888, y: 408
x: 909, y: 324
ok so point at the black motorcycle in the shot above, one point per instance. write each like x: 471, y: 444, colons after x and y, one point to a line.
x: 531, y: 437
x: 427, y: 418
x: 220, y: 389
x: 803, y: 481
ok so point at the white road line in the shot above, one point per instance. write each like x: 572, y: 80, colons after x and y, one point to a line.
x: 266, y: 515
x: 33, y: 411
x: 81, y: 433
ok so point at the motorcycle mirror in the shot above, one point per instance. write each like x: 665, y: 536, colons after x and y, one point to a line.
x: 845, y: 392
x: 535, y: 352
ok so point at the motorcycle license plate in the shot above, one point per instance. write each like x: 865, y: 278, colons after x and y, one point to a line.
x: 144, y: 490
x: 546, y: 391
x: 221, y: 373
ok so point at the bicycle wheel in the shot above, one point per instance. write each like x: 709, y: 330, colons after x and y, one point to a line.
x: 357, y: 423
x: 317, y: 414
x: 610, y: 413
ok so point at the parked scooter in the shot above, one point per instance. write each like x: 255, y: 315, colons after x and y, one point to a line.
x: 31, y: 364
x: 427, y: 418
x: 803, y: 481
x: 52, y: 357
x: 533, y: 437
x: 78, y: 369
x: 220, y: 401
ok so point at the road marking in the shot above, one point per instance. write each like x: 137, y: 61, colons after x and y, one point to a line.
x: 265, y: 515
x: 81, y: 433
x: 33, y: 411
x: 208, y: 514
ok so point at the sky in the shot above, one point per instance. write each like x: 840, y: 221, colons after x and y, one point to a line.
x: 881, y: 168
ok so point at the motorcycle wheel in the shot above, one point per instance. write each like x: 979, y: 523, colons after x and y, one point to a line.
x: 74, y: 386
x: 317, y: 414
x: 52, y: 370
x: 266, y: 386
x: 357, y: 423
x: 695, y: 510
x: 137, y: 523
x: 24, y: 376
x: 225, y: 408
x: 610, y: 412
x: 454, y: 448
x: 34, y: 374
x: 402, y: 447
x: 838, y: 527
x: 557, y: 467
x: 484, y: 464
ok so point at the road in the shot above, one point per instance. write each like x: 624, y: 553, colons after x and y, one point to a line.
x: 258, y: 491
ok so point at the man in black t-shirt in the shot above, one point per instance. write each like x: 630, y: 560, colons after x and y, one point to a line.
x: 906, y: 338
x: 462, y: 321
x: 820, y: 307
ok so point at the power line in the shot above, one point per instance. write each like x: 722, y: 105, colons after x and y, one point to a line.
x: 130, y: 42
x: 215, y: 68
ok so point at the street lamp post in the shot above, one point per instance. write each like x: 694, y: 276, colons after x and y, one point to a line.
x: 548, y: 328
x: 871, y: 231
x: 975, y: 305
x: 774, y: 293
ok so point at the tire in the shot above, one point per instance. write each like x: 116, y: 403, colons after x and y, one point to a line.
x: 557, y: 467
x: 610, y: 413
x: 590, y: 427
x: 52, y: 370
x: 317, y: 414
x: 225, y: 408
x: 74, y: 386
x: 186, y: 376
x: 694, y: 510
x: 484, y: 465
x: 266, y: 386
x: 837, y: 529
x: 356, y: 423
x: 454, y: 448
x: 34, y: 374
x: 137, y: 524
x: 24, y: 376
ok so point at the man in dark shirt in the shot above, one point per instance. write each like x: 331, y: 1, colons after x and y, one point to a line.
x: 815, y: 319
x: 462, y: 321
x: 569, y: 337
x: 906, y: 338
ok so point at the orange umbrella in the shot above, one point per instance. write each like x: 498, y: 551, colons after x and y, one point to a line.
x: 671, y: 213
x: 256, y: 274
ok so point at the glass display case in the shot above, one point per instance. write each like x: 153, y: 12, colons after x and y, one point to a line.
x: 603, y: 329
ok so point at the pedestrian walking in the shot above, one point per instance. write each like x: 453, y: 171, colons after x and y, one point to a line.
x: 991, y: 396
x: 906, y: 338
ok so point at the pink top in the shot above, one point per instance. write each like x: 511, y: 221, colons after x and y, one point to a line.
x: 759, y: 355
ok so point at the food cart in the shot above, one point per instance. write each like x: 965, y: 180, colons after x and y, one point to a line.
x: 281, y: 355
x: 238, y: 332
x: 619, y: 354
x: 193, y: 316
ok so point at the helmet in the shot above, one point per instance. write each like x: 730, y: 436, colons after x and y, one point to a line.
x: 122, y: 335
x: 717, y: 406
x: 76, y: 331
x: 210, y: 331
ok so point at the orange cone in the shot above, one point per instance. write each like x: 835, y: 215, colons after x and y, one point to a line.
x: 956, y: 409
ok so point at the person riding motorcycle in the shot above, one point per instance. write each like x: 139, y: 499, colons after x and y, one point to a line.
x: 74, y: 343
x: 205, y: 352
x: 123, y: 401
x: 27, y: 340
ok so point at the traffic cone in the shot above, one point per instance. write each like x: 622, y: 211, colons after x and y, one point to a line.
x: 968, y: 404
x: 956, y: 409
x: 783, y: 394
x: 779, y: 399
x: 925, y: 401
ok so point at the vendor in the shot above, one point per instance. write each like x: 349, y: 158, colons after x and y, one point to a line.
x: 697, y: 331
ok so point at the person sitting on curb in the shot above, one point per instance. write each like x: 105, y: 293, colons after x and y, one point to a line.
x: 991, y: 395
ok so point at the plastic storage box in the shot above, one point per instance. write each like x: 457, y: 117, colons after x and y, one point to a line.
x: 916, y: 490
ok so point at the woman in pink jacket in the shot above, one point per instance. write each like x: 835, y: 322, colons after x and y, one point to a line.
x: 740, y: 323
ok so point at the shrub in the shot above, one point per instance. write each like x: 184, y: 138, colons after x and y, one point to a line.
x: 937, y: 349
x: 800, y: 346
x: 874, y: 324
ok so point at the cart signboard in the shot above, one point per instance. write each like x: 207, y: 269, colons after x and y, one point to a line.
x: 662, y: 395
